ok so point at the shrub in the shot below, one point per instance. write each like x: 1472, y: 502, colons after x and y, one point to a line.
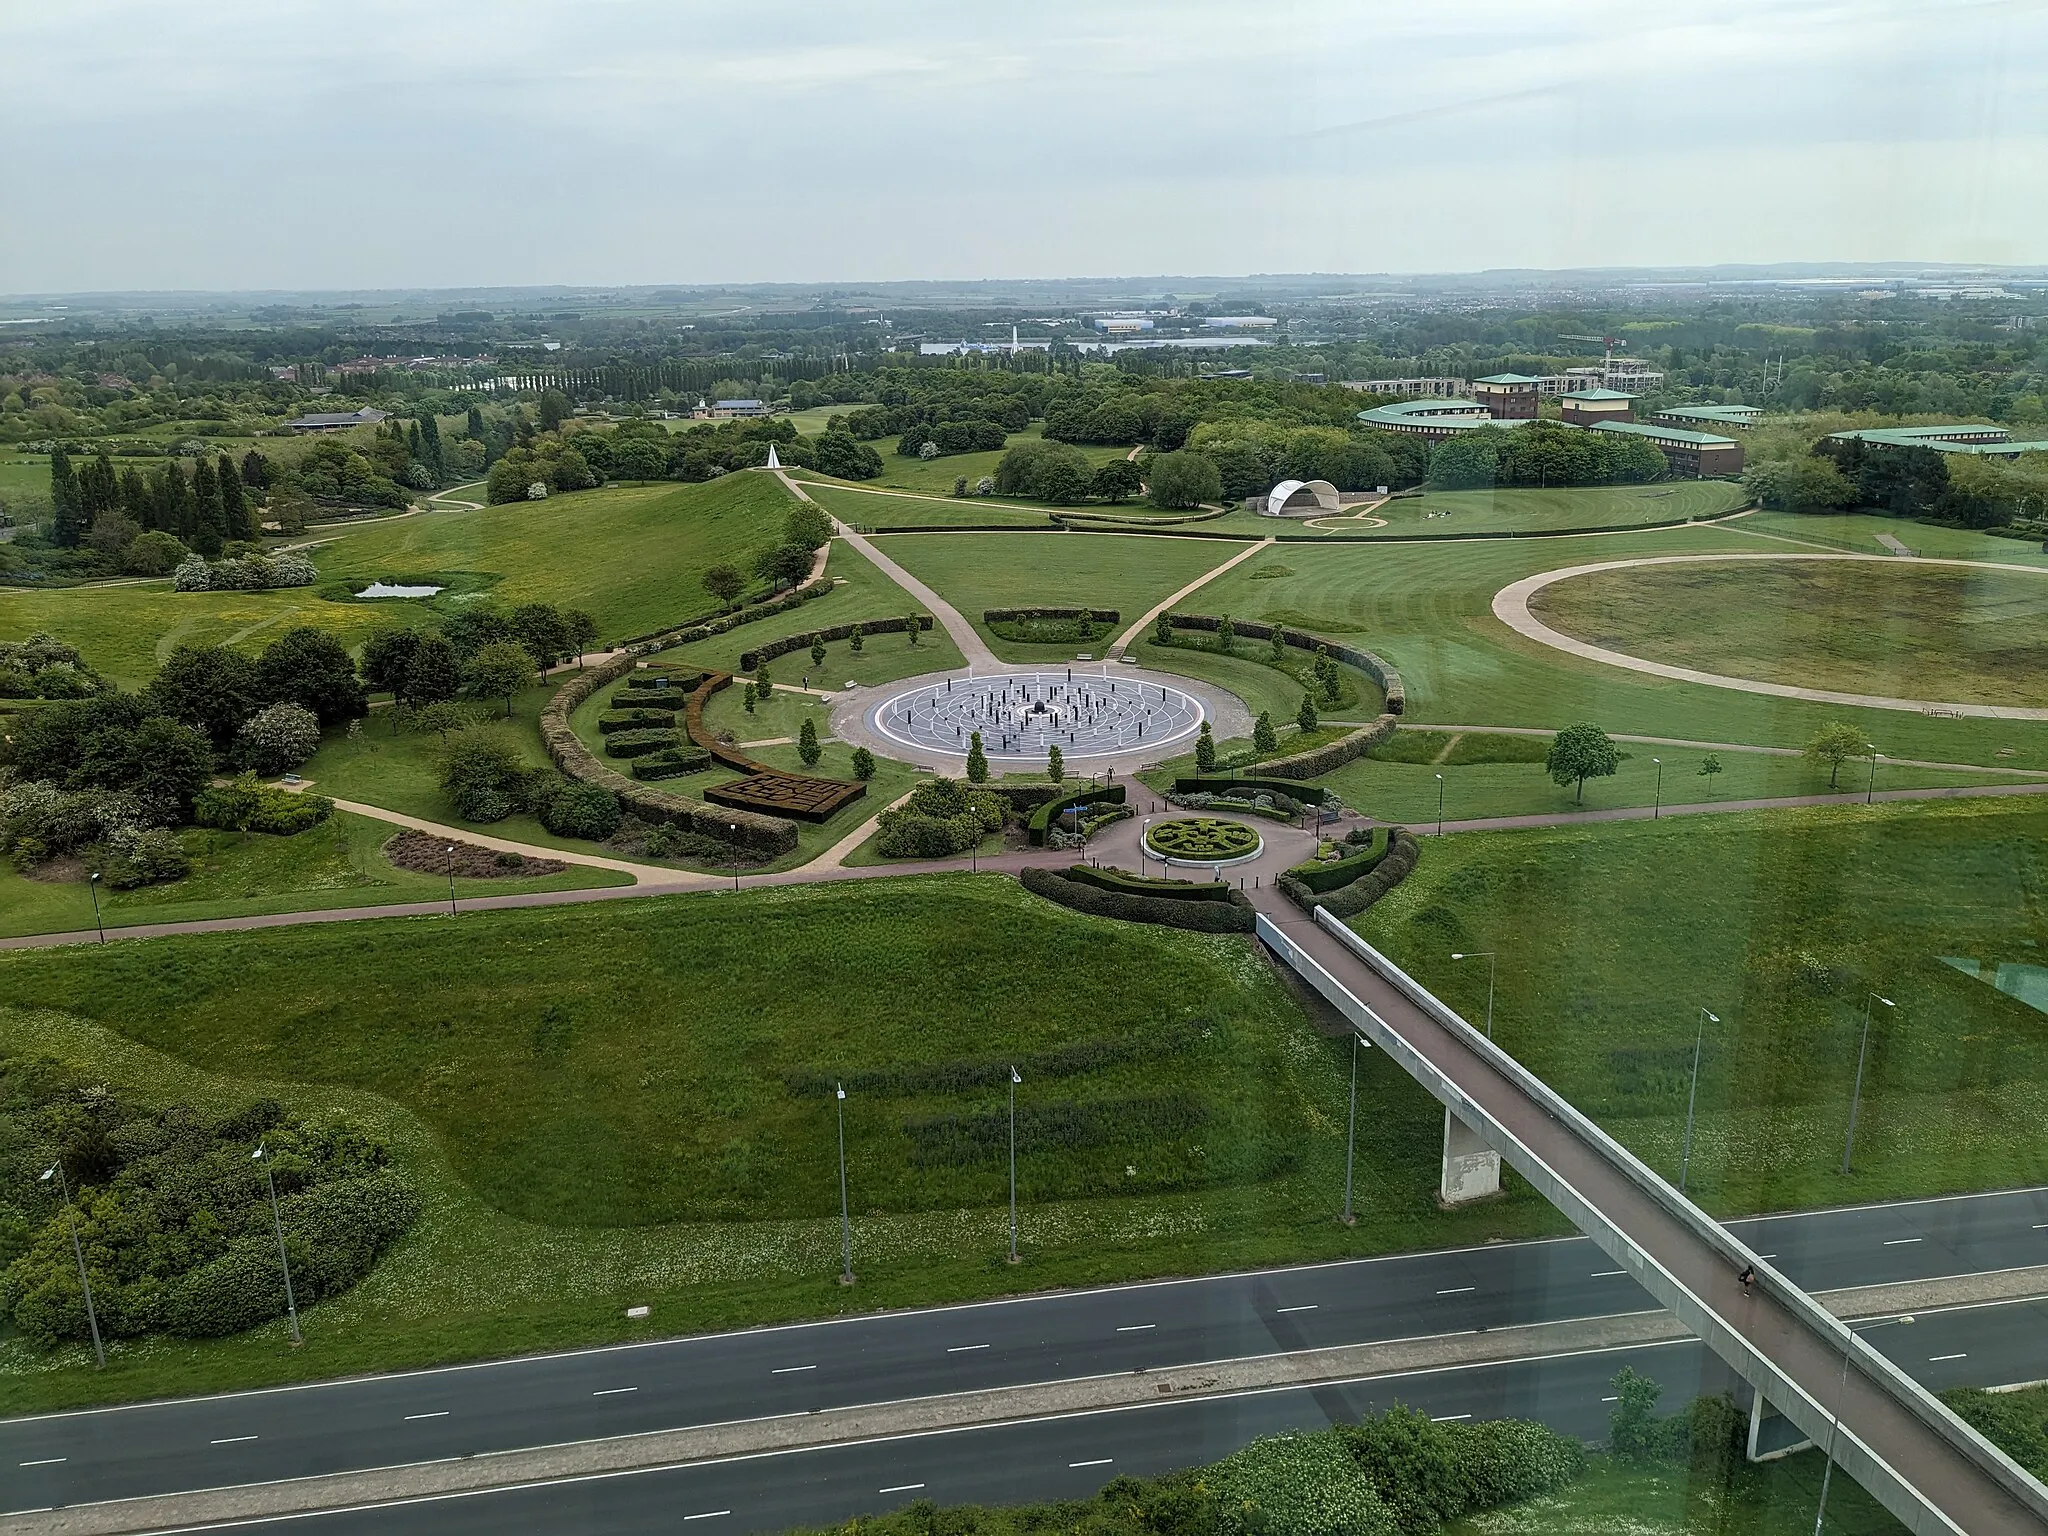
x: 636, y: 720
x: 807, y: 747
x: 638, y: 743
x: 1056, y: 806
x: 942, y: 817
x: 247, y: 806
x: 1232, y: 915
x: 672, y: 764
x: 1303, y: 1484
x: 480, y: 771
x: 1400, y: 859
x: 154, y: 553
x: 863, y: 764
x: 580, y: 810
x: 135, y: 856
x: 1145, y: 885
x: 1323, y: 878
x: 277, y: 738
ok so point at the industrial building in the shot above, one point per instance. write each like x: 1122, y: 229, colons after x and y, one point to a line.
x: 1589, y: 407
x: 1691, y: 455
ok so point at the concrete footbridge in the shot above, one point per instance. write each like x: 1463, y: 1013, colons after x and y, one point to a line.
x: 1814, y: 1379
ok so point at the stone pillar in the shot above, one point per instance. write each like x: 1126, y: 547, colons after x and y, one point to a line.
x: 1471, y: 1167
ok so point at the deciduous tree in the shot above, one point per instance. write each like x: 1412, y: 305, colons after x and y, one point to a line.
x: 1578, y: 753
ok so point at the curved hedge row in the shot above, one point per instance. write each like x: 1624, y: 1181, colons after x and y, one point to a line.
x: 1232, y: 915
x: 1374, y: 667
x: 1323, y: 878
x: 1042, y: 818
x: 782, y: 647
x: 719, y: 623
x: 1127, y: 884
x: 1390, y: 869
x: 766, y: 834
x: 1293, y: 789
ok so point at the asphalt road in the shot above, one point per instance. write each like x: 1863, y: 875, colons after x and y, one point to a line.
x: 1073, y: 1455
x: 391, y: 1420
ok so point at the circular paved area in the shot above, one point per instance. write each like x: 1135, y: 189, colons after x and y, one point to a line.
x: 1511, y: 607
x: 1022, y: 715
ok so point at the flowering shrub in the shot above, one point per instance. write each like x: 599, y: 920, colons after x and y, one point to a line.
x: 276, y: 738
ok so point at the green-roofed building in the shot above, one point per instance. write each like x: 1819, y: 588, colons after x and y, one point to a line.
x: 1508, y: 396
x: 1691, y: 455
x: 1431, y: 419
x: 1977, y: 439
x: 1590, y: 407
x: 1709, y: 418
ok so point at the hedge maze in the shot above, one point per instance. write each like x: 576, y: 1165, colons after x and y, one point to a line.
x: 763, y: 790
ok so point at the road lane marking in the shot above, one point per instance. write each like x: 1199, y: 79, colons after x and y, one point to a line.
x: 1608, y: 1274
x: 1458, y: 1290
x: 2041, y: 1226
x: 1285, y: 1310
x: 613, y: 1391
x: 1449, y: 1418
x: 962, y: 1349
x: 1900, y: 1242
x: 709, y: 1514
x: 47, y: 1461
x: 789, y: 1370
x: 1610, y: 1399
x: 1100, y: 1462
x: 438, y: 1414
x: 1767, y: 1255
x: 1137, y: 1328
x: 901, y: 1488
x: 232, y: 1440
x: 1933, y: 1359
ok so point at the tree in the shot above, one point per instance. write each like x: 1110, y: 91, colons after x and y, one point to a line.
x: 749, y: 699
x: 474, y: 424
x: 853, y: 640
x: 1264, y: 737
x: 1226, y: 634
x: 431, y: 453
x: 208, y: 687
x: 1578, y: 753
x: 1055, y: 764
x: 255, y: 471
x: 539, y: 627
x: 212, y: 524
x: 1118, y: 480
x: 1184, y: 479
x: 67, y: 520
x: 277, y: 738
x: 154, y: 553
x: 499, y: 670
x: 764, y: 688
x: 554, y: 409
x: 817, y: 650
x: 310, y: 667
x: 1279, y: 644
x: 1162, y: 629
x: 167, y: 762
x: 913, y: 626
x: 807, y: 746
x: 1043, y: 471
x: 1305, y: 717
x: 582, y: 630
x: 1467, y: 462
x: 481, y: 771
x: 725, y: 583
x: 386, y: 655
x: 808, y: 526
x: 1807, y: 484
x: 1205, y: 750
x: 977, y: 760
x: 863, y: 764
x: 238, y: 512
x: 788, y: 562
x: 1834, y: 744
x: 840, y: 455
x: 433, y: 674
x: 1710, y: 765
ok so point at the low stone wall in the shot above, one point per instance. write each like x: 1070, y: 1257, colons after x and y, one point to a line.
x: 765, y: 834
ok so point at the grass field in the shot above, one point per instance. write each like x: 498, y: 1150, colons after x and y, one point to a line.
x: 936, y: 476
x: 1858, y: 533
x: 242, y: 874
x: 631, y: 557
x: 1947, y: 633
x: 528, y: 1068
x: 1427, y: 609
x: 1611, y: 938
x: 869, y: 509
x: 975, y: 572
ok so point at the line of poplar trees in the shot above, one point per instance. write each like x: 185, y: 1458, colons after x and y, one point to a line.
x: 204, y: 510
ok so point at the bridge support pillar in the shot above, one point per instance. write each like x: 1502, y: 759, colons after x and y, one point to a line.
x: 1471, y: 1167
x: 1771, y: 1434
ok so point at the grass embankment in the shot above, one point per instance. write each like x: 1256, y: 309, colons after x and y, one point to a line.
x: 1775, y: 1498
x: 1427, y: 608
x: 935, y: 477
x: 883, y: 510
x: 1903, y: 629
x: 239, y: 874
x: 632, y: 557
x: 1611, y: 939
x: 599, y: 1110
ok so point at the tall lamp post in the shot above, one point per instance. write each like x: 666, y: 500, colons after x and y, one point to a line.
x: 1692, y: 1097
x: 1488, y: 956
x: 845, y: 1217
x: 1015, y: 1079
x: 732, y: 829
x: 1144, y: 831
x: 92, y: 1317
x: 1439, y: 805
x: 1657, y: 807
x: 449, y: 853
x: 1350, y: 1218
x: 291, y: 1305
x: 1856, y: 1095
x: 1870, y: 789
x: 93, y: 885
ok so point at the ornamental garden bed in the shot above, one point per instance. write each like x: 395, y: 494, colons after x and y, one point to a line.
x: 429, y: 855
x: 1202, y: 840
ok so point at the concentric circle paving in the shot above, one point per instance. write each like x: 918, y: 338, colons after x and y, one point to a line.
x: 1023, y: 715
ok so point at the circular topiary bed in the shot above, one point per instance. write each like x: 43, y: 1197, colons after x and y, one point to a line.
x: 1202, y: 840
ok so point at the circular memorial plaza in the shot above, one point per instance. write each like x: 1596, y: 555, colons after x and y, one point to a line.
x: 1023, y: 715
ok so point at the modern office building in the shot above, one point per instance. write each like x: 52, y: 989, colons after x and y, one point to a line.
x: 1509, y: 396
x: 1691, y: 455
x: 1588, y: 407
x: 1708, y: 418
x: 1979, y: 439
x: 1437, y: 388
x: 1433, y: 419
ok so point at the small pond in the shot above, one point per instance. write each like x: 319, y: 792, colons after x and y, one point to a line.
x: 383, y: 589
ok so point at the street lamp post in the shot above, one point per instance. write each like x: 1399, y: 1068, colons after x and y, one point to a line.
x: 449, y: 851
x: 1439, y: 805
x: 1491, y: 964
x: 1351, y: 1134
x: 1144, y: 831
x: 1657, y: 808
x: 1015, y: 1079
x: 733, y: 836
x: 1856, y: 1094
x: 92, y: 1317
x: 1692, y: 1098
x: 845, y: 1217
x: 93, y: 885
x: 291, y: 1305
x: 1870, y: 789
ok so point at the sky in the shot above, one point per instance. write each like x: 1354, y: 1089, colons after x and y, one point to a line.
x: 285, y: 144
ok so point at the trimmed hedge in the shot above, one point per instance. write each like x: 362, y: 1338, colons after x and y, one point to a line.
x: 672, y: 764
x: 719, y: 623
x: 749, y: 660
x: 1042, y: 818
x: 1025, y: 615
x: 1233, y: 915
x: 1372, y: 666
x: 1148, y: 885
x: 1317, y: 761
x: 772, y: 835
x: 1294, y: 789
x: 1389, y: 870
x: 636, y: 720
x: 1324, y: 878
x: 638, y: 743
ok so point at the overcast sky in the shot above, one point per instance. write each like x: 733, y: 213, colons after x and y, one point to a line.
x: 292, y: 144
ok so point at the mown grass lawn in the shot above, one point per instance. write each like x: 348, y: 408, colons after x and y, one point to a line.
x: 627, y: 1106
x: 1611, y: 939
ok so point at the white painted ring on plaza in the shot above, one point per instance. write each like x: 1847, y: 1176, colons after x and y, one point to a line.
x: 1022, y: 715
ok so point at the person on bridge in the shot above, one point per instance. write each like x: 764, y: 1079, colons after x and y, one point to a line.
x: 1747, y: 1278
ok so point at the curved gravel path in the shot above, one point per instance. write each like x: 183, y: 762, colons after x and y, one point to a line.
x: 1511, y: 607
